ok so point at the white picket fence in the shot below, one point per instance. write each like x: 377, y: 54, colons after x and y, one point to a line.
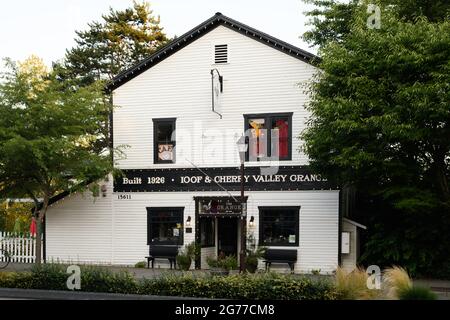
x: 21, y: 247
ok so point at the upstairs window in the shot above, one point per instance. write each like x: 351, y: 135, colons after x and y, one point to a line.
x: 164, y: 140
x: 270, y: 136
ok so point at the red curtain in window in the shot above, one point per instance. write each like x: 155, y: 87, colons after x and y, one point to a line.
x: 283, y: 128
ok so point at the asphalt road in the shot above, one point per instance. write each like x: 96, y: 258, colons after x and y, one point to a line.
x: 21, y: 294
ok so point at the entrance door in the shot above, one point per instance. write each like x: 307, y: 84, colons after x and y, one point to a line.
x: 227, y: 236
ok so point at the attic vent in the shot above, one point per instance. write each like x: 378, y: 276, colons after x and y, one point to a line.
x: 221, y: 53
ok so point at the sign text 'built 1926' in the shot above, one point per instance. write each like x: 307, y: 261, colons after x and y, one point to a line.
x: 213, y: 179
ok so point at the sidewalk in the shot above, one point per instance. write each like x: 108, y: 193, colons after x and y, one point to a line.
x: 440, y: 287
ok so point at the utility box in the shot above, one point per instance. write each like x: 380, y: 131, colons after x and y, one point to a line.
x: 345, y: 243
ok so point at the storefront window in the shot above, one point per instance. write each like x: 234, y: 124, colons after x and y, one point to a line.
x: 279, y: 226
x: 165, y: 226
x: 207, y: 232
x: 164, y: 140
x: 270, y: 135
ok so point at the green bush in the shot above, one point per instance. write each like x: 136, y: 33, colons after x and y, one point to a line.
x: 251, y: 264
x: 184, y: 262
x: 141, y: 265
x: 417, y: 293
x: 223, y: 262
x: 248, y: 286
x: 265, y: 286
x: 254, y: 253
x: 96, y: 279
x: 54, y: 277
x: 187, y: 255
x: 44, y: 276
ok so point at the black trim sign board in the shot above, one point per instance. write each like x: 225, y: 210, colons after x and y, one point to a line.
x: 213, y: 179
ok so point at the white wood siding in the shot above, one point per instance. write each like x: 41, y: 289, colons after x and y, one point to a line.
x: 258, y: 79
x: 79, y: 229
x: 318, y: 224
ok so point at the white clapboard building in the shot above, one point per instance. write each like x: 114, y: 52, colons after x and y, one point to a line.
x: 179, y: 114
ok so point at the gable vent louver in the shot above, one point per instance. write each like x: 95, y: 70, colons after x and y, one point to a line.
x: 221, y: 53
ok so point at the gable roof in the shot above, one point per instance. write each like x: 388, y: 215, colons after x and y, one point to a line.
x: 217, y: 20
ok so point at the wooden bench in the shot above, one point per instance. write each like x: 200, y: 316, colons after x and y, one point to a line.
x: 280, y: 256
x: 162, y: 252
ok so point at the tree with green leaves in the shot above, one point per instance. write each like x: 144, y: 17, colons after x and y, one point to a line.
x: 47, y: 133
x: 121, y: 39
x: 332, y: 20
x: 381, y: 122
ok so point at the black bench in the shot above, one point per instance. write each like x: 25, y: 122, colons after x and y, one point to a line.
x: 280, y: 256
x: 162, y: 252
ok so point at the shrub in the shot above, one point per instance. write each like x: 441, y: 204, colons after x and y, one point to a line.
x: 223, y: 262
x: 43, y: 276
x: 184, y: 262
x: 417, y: 293
x: 185, y: 257
x: 54, y: 277
x: 141, y: 265
x: 248, y: 286
x: 353, y: 285
x: 396, y: 280
x: 254, y: 252
x: 97, y: 279
x: 400, y: 286
x: 6, y: 280
x: 316, y: 272
x: 251, y: 264
x: 265, y: 286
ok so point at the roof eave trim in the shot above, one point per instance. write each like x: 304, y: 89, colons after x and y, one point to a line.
x: 199, y: 31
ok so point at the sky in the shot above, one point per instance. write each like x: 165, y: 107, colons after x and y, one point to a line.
x: 46, y: 28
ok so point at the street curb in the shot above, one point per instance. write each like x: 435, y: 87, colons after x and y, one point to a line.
x: 28, y: 294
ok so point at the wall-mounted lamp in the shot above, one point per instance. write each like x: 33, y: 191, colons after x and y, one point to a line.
x: 104, y: 190
x: 252, y: 222
x: 188, y: 221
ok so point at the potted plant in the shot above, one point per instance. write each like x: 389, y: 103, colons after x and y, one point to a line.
x: 222, y: 265
x: 254, y: 253
x: 185, y: 257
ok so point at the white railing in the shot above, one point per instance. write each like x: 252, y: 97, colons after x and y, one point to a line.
x: 21, y: 247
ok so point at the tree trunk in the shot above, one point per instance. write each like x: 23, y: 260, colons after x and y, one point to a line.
x: 38, y: 241
x: 40, y: 216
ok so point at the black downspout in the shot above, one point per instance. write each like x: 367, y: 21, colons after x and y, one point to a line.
x: 111, y: 131
x: 44, y: 240
x: 340, y: 229
x: 197, y: 235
